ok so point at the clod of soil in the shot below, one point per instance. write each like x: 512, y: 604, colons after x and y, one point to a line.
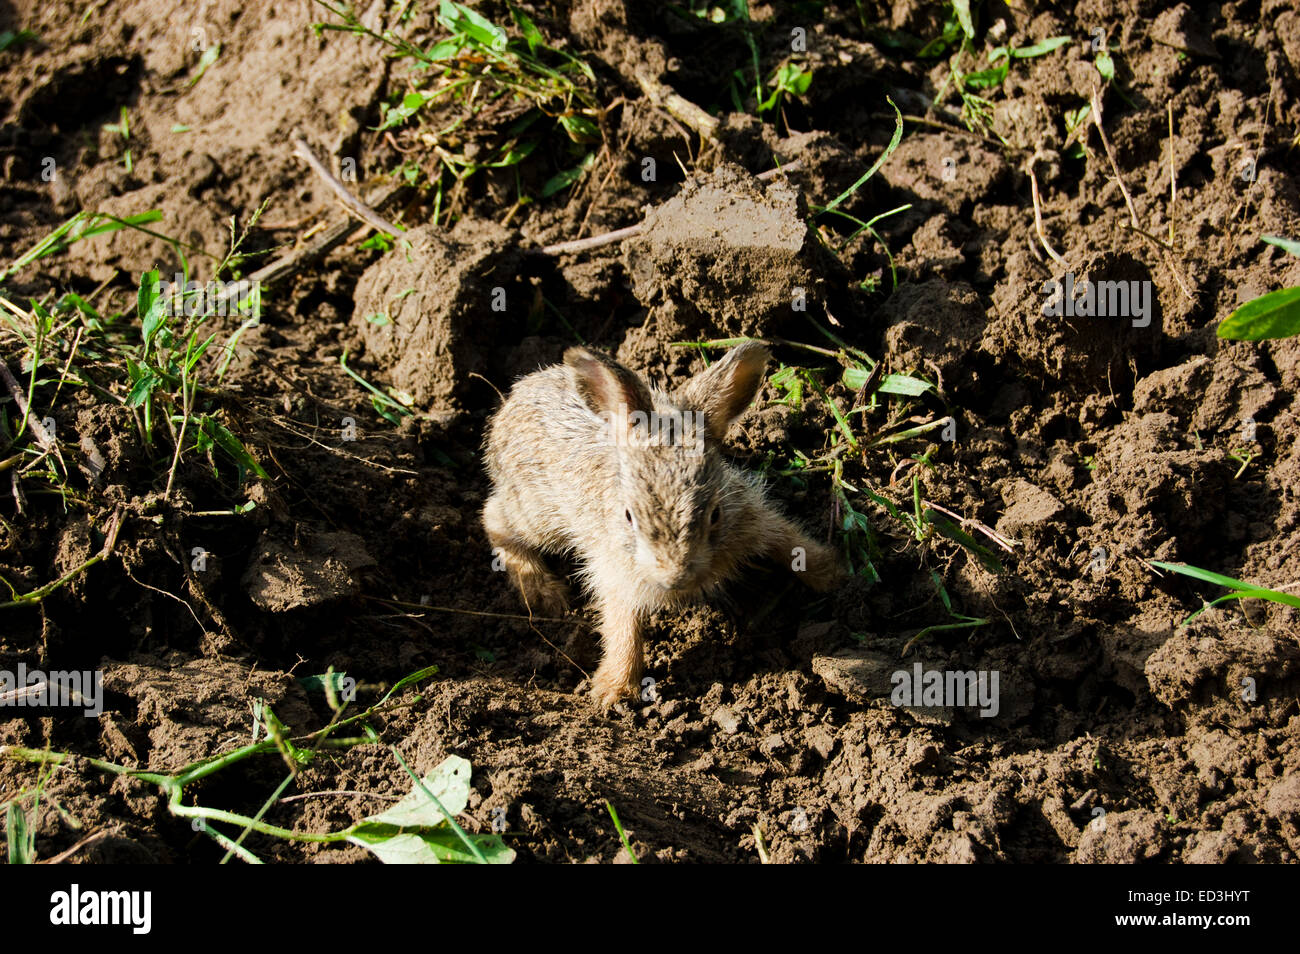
x: 726, y: 257
x: 431, y: 310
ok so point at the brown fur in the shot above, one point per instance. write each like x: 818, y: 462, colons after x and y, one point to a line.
x: 654, y: 518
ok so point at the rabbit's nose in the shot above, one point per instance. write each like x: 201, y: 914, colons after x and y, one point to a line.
x: 674, y: 577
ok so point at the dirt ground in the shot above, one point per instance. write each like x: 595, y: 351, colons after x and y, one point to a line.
x: 1094, y: 444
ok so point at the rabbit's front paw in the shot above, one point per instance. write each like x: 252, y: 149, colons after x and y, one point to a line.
x: 608, y: 688
x: 823, y: 570
x: 544, y: 593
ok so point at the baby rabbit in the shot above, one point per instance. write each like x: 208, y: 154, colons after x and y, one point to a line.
x: 585, y: 458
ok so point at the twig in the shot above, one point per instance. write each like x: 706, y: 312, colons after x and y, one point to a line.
x: 631, y: 231
x: 350, y: 201
x: 330, y: 239
x: 43, y: 437
x: 1168, y: 254
x: 1173, y: 182
x: 794, y: 166
x: 1004, y: 542
x: 1038, y: 216
x: 86, y: 842
x: 593, y: 241
x: 678, y: 107
x: 1110, y: 154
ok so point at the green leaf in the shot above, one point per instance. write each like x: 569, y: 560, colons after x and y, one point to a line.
x: 1243, y: 589
x: 580, y: 128
x: 417, y: 831
x: 231, y: 445
x: 1275, y: 315
x: 1105, y: 66
x: 10, y: 39
x: 532, y: 36
x: 395, y: 846
x: 1041, y: 48
x: 150, y: 307
x: 461, y: 19
x: 207, y: 59
x: 903, y: 384
x: 962, y: 9
x: 880, y: 160
x: 445, y: 49
x: 985, y: 79
x: 448, y: 782
x: 955, y: 533
x: 562, y: 180
x: 142, y: 389
x: 1289, y: 245
x: 20, y: 839
x: 936, y: 47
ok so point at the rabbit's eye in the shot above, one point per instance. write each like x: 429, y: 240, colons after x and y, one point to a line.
x: 628, y: 514
x: 715, y: 516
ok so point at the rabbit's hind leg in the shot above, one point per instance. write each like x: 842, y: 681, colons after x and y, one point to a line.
x: 542, y: 590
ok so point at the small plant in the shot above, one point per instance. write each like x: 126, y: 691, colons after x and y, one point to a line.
x: 622, y: 835
x: 1240, y: 590
x: 518, y: 79
x: 1273, y: 315
x: 421, y: 828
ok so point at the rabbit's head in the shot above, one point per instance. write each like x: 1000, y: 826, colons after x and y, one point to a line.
x: 673, y: 495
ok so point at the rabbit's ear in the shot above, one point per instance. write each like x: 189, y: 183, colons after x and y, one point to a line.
x: 607, y: 387
x: 726, y: 388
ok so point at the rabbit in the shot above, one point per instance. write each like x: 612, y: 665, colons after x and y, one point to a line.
x: 584, y: 457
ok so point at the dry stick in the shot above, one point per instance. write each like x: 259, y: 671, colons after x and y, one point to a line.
x: 1110, y: 154
x: 1004, y: 542
x: 1134, y: 224
x: 43, y: 437
x: 350, y: 201
x: 631, y: 231
x: 678, y: 107
x: 86, y: 842
x: 1167, y: 252
x: 1038, y: 216
x: 330, y: 239
x: 1173, y: 183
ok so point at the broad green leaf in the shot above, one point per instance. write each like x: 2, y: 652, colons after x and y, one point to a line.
x: 426, y: 846
x: 416, y: 829
x: 1105, y: 65
x: 150, y: 307
x: 562, y: 180
x: 141, y: 389
x: 231, y: 444
x: 985, y: 79
x: 1289, y: 245
x: 1041, y: 48
x: 448, y: 782
x: 1275, y: 315
x: 903, y: 384
x: 962, y: 9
